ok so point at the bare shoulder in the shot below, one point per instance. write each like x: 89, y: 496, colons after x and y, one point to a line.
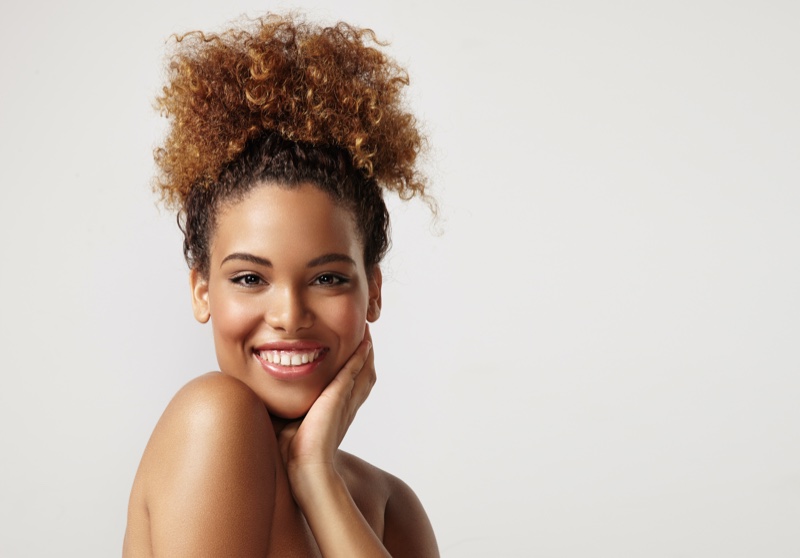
x: 212, y: 396
x: 213, y: 414
x: 208, y: 471
x: 213, y: 385
x: 402, y: 522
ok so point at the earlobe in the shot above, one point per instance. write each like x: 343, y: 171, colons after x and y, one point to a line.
x: 374, y: 305
x: 200, y: 306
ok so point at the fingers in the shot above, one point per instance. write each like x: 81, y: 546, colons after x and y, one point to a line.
x: 365, y: 379
x: 356, y: 378
x: 315, y: 438
x: 366, y: 375
x: 285, y: 437
x: 356, y: 363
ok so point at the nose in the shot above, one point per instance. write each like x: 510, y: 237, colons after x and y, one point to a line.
x: 288, y: 311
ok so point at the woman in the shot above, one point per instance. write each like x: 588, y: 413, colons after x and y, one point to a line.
x: 282, y: 136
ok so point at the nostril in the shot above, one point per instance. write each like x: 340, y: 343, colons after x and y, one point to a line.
x: 288, y: 312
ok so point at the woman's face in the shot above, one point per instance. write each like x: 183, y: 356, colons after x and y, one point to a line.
x: 287, y: 293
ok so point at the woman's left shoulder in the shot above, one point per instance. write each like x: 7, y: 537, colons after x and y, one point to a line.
x: 390, y: 506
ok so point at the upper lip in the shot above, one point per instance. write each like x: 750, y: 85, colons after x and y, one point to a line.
x: 298, y: 345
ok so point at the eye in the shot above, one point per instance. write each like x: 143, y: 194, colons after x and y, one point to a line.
x: 247, y: 280
x: 330, y: 280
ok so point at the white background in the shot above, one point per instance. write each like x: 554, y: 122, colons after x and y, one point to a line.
x: 594, y: 352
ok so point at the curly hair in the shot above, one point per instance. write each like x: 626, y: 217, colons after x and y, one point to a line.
x: 290, y: 102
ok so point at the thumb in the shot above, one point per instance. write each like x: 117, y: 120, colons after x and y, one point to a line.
x: 285, y: 437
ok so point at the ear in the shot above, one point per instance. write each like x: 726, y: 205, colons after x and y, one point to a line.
x: 375, y: 280
x: 200, y: 306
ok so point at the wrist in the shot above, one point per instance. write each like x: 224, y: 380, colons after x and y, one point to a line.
x: 338, y: 525
x: 309, y: 481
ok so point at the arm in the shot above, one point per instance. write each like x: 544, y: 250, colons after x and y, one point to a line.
x: 338, y: 525
x: 209, y: 473
x: 408, y: 530
x: 308, y: 449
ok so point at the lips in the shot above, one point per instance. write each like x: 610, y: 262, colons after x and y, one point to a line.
x: 289, y: 360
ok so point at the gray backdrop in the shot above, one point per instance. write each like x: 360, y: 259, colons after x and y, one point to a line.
x: 594, y: 352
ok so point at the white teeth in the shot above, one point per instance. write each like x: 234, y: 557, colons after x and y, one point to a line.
x: 290, y: 358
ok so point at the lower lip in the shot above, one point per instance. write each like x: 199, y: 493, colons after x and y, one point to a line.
x: 289, y: 373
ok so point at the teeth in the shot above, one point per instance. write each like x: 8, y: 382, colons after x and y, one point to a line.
x: 289, y: 358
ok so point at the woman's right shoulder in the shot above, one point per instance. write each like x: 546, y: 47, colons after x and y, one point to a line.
x: 212, y: 416
x: 210, y: 460
x: 212, y: 405
x: 216, y: 390
x: 214, y: 395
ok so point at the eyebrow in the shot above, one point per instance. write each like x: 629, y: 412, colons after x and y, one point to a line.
x: 330, y: 258
x: 320, y: 260
x: 247, y: 258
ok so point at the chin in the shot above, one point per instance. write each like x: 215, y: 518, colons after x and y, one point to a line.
x: 289, y: 410
x: 288, y: 416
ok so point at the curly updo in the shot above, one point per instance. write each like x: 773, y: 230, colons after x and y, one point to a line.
x: 285, y: 101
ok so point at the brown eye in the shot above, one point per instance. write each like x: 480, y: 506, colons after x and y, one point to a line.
x: 248, y: 280
x: 330, y: 280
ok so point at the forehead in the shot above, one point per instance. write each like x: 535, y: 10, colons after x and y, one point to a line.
x: 273, y: 220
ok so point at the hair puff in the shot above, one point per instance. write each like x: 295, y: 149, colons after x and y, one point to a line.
x: 322, y: 85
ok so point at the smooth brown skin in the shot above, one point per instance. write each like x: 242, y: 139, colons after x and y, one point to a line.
x: 223, y: 474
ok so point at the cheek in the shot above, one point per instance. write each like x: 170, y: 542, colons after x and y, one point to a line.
x: 231, y: 319
x: 348, y: 318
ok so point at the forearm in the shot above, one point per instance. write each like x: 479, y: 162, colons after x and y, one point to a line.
x: 336, y: 522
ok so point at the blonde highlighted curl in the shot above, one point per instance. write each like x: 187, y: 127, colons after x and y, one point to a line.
x: 323, y: 86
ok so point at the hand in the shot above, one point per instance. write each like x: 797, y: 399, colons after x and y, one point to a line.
x: 309, y: 445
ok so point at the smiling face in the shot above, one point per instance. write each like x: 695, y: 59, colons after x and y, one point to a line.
x: 287, y: 293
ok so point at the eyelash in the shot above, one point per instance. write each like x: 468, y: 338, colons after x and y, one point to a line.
x: 337, y: 280
x: 242, y: 280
